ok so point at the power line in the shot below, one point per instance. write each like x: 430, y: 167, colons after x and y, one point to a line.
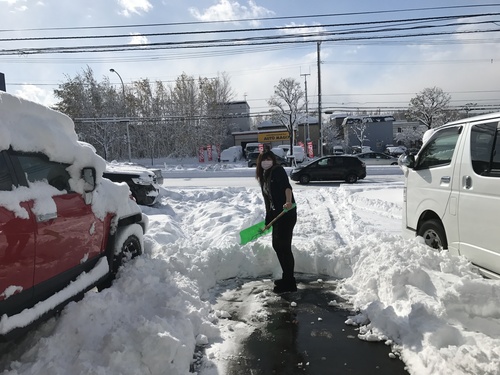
x: 281, y: 28
x: 315, y: 16
x: 232, y: 42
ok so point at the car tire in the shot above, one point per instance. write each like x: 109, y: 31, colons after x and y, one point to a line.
x: 351, y: 178
x: 433, y: 234
x: 127, y: 246
x: 304, y: 179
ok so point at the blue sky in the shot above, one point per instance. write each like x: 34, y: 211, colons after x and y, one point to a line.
x: 368, y: 73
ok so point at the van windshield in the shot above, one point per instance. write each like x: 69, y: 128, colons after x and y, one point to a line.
x: 439, y: 150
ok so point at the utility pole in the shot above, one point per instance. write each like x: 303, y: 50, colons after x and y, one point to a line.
x: 125, y: 112
x: 307, y: 135
x: 2, y: 82
x: 319, y: 102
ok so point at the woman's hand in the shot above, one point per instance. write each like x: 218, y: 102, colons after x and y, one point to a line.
x: 287, y: 205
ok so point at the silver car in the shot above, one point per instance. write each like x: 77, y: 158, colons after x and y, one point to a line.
x: 377, y: 158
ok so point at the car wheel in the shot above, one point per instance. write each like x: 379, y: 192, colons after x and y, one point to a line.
x: 304, y: 179
x: 434, y: 235
x: 395, y: 163
x: 351, y: 178
x: 128, y: 245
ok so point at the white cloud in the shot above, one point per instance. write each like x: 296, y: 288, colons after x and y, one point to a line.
x: 36, y: 94
x: 12, y: 2
x: 302, y: 29
x: 138, y: 39
x: 18, y: 5
x: 230, y: 10
x: 134, y: 6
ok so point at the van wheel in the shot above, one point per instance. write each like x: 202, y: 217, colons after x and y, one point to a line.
x: 304, y: 179
x: 433, y: 233
x: 351, y: 178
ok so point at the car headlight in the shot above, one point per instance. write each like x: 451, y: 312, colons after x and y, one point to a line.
x: 142, y: 181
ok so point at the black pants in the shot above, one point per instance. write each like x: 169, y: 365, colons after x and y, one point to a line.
x: 282, y: 242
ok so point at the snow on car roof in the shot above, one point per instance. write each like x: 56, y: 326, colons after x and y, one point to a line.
x: 31, y: 127
x: 116, y: 167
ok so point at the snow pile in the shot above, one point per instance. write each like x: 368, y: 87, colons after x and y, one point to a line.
x: 435, y: 310
x: 30, y: 127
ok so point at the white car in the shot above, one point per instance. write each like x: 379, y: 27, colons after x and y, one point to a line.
x: 452, y: 191
x: 279, y: 152
x: 230, y: 155
x: 298, y: 154
x: 377, y: 158
x: 395, y: 151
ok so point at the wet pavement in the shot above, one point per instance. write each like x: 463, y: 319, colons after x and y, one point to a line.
x: 306, y: 334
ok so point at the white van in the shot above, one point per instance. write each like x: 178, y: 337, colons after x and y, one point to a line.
x: 251, y: 147
x: 452, y: 190
x: 298, y: 153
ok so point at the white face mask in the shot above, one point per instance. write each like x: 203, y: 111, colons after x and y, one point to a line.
x: 266, y: 164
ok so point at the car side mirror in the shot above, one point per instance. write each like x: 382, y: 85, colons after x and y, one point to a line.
x: 89, y: 178
x: 406, y: 160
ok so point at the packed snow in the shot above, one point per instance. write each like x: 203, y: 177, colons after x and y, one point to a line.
x: 435, y: 310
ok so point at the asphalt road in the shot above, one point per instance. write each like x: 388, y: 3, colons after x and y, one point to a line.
x: 306, y: 334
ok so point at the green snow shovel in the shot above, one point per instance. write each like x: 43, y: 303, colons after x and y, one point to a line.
x: 260, y: 229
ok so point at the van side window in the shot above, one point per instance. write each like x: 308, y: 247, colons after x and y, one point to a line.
x: 439, y: 150
x: 37, y: 167
x: 5, y: 177
x: 484, y: 142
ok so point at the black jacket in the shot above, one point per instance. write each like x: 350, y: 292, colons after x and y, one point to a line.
x: 273, y: 190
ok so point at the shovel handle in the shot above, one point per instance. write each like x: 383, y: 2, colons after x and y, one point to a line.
x: 277, y: 217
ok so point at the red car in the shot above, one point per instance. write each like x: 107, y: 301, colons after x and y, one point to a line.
x: 63, y: 228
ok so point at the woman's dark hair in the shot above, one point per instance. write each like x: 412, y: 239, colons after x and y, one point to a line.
x: 259, y: 171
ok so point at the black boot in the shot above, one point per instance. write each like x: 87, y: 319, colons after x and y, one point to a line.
x: 278, y: 282
x: 285, y: 285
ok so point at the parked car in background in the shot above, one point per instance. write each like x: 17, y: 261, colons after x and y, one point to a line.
x: 251, y: 147
x: 298, y: 154
x: 359, y: 149
x: 452, y: 191
x: 252, y: 160
x: 63, y: 228
x: 338, y: 150
x: 143, y: 182
x: 395, y: 150
x: 330, y: 168
x: 231, y: 154
x: 278, y: 151
x: 377, y: 158
x: 285, y: 147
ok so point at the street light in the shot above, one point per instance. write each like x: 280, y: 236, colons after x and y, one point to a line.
x: 124, y: 105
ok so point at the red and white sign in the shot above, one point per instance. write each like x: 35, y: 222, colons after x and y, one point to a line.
x: 201, y: 155
x: 261, y: 147
x: 310, y: 152
x: 209, y: 152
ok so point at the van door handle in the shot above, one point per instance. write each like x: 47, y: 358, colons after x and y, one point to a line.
x: 445, y: 179
x: 46, y: 217
x: 467, y: 182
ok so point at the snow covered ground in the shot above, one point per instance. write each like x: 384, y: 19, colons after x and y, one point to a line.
x: 435, y: 310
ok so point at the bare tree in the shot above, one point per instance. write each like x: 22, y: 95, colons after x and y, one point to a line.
x: 163, y: 121
x: 410, y: 135
x: 88, y: 101
x: 356, y: 126
x: 332, y: 133
x: 215, y: 94
x: 429, y: 107
x: 286, y: 106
